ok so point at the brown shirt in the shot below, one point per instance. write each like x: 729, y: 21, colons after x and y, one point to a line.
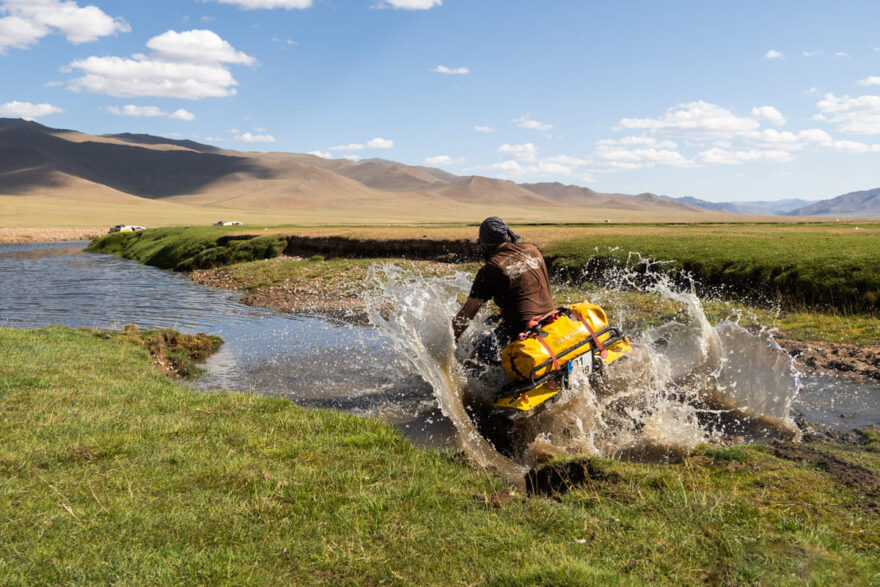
x: 516, y: 278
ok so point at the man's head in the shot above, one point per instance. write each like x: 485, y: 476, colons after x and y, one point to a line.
x: 494, y: 231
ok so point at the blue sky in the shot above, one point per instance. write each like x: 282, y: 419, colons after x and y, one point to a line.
x: 716, y: 100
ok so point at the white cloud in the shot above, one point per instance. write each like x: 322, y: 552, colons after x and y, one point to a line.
x: 524, y: 152
x: 695, y: 120
x: 539, y: 169
x: 189, y: 65
x: 380, y: 143
x: 843, y: 54
x: 196, y: 46
x: 443, y: 160
x: 351, y: 157
x: 214, y: 139
x: 348, y: 147
x: 768, y: 113
x: 268, y: 4
x: 812, y: 53
x: 27, y: 110
x: 614, y: 158
x: 774, y: 54
x: 812, y: 90
x: 410, y: 4
x: 28, y: 21
x: 788, y: 141
x: 717, y: 156
x: 648, y: 141
x: 149, y: 112
x: 284, y: 42
x: 252, y: 138
x: 484, y: 129
x: 376, y: 143
x: 321, y: 154
x: 451, y: 70
x: 873, y: 80
x: 526, y: 122
x: 860, y: 115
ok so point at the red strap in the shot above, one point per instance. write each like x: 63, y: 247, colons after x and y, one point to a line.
x: 540, y: 319
x: 549, y: 350
x: 602, y: 352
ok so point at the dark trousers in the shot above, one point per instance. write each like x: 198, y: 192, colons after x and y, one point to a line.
x: 488, y: 348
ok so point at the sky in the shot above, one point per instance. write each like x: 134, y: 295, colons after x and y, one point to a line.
x: 724, y: 101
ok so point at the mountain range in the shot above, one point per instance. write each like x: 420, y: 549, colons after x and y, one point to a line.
x: 181, y: 176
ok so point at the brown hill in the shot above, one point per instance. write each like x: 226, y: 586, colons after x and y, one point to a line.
x: 485, y: 190
x: 573, y: 195
x: 127, y: 168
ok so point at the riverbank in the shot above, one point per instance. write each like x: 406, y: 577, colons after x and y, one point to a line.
x: 45, y: 235
x: 112, y: 473
x: 315, y: 271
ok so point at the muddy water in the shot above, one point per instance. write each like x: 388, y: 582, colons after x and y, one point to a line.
x: 688, y: 381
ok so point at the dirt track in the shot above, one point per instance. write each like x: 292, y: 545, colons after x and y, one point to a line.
x: 44, y: 235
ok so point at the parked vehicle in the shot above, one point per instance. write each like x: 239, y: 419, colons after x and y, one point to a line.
x: 125, y: 228
x: 227, y: 223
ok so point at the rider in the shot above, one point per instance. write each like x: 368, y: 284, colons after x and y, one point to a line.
x: 516, y: 277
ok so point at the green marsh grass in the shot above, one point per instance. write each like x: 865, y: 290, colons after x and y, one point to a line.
x: 110, y: 472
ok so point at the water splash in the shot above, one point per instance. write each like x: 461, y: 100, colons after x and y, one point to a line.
x: 686, y: 381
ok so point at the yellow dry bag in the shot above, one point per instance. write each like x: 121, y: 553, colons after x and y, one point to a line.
x: 567, y: 334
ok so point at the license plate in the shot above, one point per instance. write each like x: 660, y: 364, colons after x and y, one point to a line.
x: 583, y: 363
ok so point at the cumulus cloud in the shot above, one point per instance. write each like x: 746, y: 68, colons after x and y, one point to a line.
x: 768, y: 113
x: 149, y: 112
x: 252, y: 138
x: 842, y: 54
x: 873, y: 80
x: 190, y: 65
x: 348, y: 147
x: 376, y: 143
x: 443, y: 160
x: 812, y: 53
x: 647, y: 141
x: 409, y: 4
x: 451, y: 70
x: 321, y: 154
x: 268, y: 4
x: 484, y: 129
x: 27, y: 110
x: 718, y: 156
x: 696, y: 120
x: 774, y: 54
x: 526, y: 122
x: 27, y: 21
x: 617, y: 158
x: 524, y: 152
x: 380, y: 143
x: 859, y: 115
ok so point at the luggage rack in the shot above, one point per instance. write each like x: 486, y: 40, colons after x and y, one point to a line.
x: 596, y: 364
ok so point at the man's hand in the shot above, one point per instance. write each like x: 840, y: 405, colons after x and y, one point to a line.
x: 463, y: 319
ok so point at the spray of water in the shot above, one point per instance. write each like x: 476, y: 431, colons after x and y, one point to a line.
x: 686, y: 382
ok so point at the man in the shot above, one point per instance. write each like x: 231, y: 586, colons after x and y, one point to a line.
x: 516, y: 277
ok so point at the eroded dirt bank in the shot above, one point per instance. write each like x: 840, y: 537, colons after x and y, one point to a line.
x: 341, y: 296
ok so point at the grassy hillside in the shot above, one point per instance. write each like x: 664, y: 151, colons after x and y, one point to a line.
x: 109, y: 472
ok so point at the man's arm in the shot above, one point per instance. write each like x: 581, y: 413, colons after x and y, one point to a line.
x: 465, y: 315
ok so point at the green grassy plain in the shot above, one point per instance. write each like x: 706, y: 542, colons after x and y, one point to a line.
x: 833, y: 266
x: 109, y: 472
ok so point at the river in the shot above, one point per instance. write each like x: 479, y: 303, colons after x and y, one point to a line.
x: 312, y: 360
